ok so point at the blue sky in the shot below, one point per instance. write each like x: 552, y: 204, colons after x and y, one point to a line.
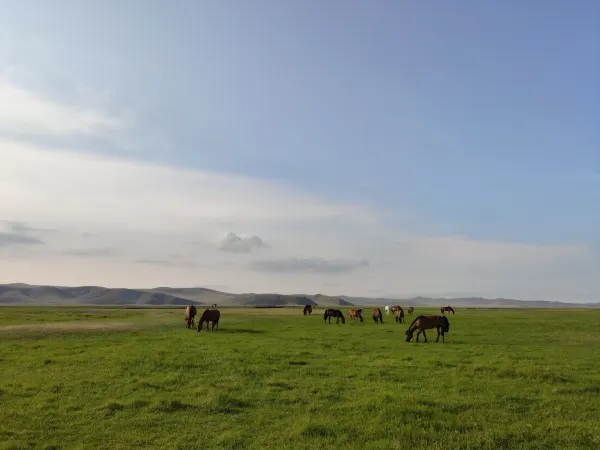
x: 470, y: 119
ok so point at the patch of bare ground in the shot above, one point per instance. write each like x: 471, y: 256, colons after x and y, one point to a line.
x: 68, y: 326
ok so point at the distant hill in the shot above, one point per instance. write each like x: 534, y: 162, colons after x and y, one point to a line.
x: 272, y: 300
x: 25, y: 294
x: 331, y: 300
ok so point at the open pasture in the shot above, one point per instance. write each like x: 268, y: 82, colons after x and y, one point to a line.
x: 114, y: 378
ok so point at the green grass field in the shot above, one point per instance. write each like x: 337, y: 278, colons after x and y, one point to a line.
x: 124, y: 378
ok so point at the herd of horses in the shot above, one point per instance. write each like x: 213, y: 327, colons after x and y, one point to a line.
x: 420, y: 324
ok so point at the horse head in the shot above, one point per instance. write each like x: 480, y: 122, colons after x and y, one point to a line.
x: 409, y: 335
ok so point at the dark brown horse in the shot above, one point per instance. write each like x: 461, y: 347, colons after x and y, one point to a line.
x: 329, y: 313
x: 399, y: 312
x: 446, y: 308
x: 209, y: 315
x: 307, y: 310
x: 410, y: 310
x: 377, y: 316
x: 422, y: 323
x: 356, y: 314
x: 190, y: 313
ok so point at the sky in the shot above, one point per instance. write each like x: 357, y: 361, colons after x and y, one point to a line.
x: 378, y: 148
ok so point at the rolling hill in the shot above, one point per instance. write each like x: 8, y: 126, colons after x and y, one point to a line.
x: 25, y: 294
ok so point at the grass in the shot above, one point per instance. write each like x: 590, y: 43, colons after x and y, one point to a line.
x: 504, y: 379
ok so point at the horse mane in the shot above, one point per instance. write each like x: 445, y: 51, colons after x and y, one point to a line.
x: 413, y: 322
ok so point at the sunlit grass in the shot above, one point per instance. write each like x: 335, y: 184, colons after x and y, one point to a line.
x: 278, y: 379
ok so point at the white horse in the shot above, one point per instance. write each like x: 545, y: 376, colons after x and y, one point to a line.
x: 387, y: 309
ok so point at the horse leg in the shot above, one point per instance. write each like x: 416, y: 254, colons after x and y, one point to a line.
x: 425, y: 335
x: 438, y: 336
x: 418, y: 334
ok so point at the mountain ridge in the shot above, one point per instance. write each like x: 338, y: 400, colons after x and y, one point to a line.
x: 25, y: 294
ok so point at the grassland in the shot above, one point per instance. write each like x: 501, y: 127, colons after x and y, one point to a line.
x: 126, y: 378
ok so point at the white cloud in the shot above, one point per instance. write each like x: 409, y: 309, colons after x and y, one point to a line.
x: 28, y: 113
x: 139, y: 224
x: 309, y: 265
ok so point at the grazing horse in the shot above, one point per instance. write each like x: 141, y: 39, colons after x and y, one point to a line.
x: 214, y: 305
x: 209, y: 315
x: 387, y: 309
x: 399, y: 313
x: 329, y: 313
x: 356, y: 314
x: 377, y: 316
x: 423, y: 323
x: 307, y: 310
x: 446, y: 308
x: 410, y: 310
x: 190, y: 313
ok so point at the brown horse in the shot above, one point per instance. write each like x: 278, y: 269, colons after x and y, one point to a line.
x: 190, y: 313
x: 399, y: 312
x: 377, y: 316
x: 307, y: 310
x: 356, y: 314
x: 410, y: 310
x: 446, y: 308
x: 422, y: 323
x: 209, y: 315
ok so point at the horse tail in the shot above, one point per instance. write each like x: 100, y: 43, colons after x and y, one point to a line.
x: 380, y: 316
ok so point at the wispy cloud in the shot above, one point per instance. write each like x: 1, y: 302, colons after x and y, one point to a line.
x: 25, y: 112
x: 90, y: 252
x: 14, y: 233
x: 7, y: 239
x: 313, y: 265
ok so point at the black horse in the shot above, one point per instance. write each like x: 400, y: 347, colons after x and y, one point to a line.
x: 329, y: 313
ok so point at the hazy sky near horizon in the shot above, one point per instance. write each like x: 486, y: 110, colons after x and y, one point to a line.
x: 380, y: 148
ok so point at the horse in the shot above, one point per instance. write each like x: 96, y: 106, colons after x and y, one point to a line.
x: 329, y: 313
x: 387, y: 309
x: 410, y: 310
x: 446, y: 308
x: 399, y: 313
x: 423, y: 323
x: 209, y: 315
x: 307, y: 310
x: 355, y: 314
x: 190, y: 313
x: 377, y: 316
x: 214, y: 305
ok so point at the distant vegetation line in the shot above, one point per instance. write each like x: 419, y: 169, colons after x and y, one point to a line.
x: 25, y: 294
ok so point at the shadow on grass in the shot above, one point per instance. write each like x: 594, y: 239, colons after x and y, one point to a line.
x: 241, y: 331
